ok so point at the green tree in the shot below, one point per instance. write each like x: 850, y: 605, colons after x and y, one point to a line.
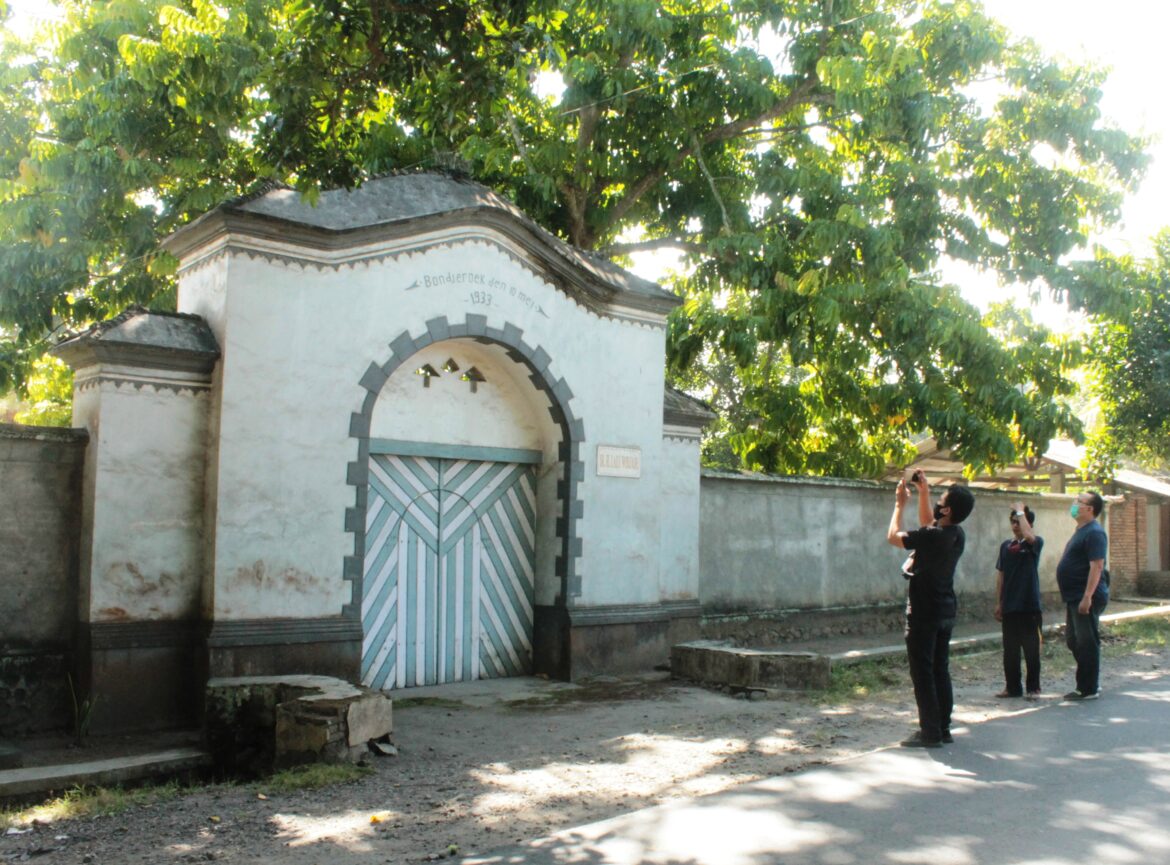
x: 50, y: 394
x: 813, y: 159
x: 132, y: 118
x: 1131, y: 362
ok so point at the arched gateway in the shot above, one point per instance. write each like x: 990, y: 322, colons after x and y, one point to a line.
x: 401, y: 434
x: 458, y: 438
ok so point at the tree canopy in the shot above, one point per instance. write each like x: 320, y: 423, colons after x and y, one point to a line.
x: 1131, y: 361
x: 814, y: 161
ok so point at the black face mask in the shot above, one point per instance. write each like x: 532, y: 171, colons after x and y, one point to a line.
x: 938, y: 512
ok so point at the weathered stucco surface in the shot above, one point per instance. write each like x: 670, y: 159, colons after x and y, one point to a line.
x: 40, y: 498
x: 679, y: 513
x: 297, y: 342
x: 801, y: 543
x: 505, y: 411
x: 143, y: 559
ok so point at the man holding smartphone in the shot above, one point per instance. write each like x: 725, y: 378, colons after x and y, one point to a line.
x: 931, y: 605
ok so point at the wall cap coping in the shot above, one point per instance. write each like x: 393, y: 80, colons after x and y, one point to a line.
x: 794, y: 480
x: 861, y: 483
x: 144, y: 338
x: 58, y: 435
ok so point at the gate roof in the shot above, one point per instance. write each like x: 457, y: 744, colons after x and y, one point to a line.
x: 403, y: 204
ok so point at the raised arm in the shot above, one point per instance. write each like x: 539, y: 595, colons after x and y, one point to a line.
x: 925, y: 511
x: 1025, y: 526
x: 894, y: 533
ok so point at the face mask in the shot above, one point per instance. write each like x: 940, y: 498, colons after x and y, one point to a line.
x: 1074, y: 510
x: 938, y: 512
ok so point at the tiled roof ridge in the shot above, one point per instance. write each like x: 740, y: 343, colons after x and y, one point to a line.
x: 262, y: 189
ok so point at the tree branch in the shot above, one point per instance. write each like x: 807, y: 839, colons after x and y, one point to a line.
x: 653, y: 244
x: 586, y: 130
x: 514, y: 128
x: 710, y: 181
x: 802, y: 92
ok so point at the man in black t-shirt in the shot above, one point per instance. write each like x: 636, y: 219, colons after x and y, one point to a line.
x: 931, y: 605
x: 1017, y: 603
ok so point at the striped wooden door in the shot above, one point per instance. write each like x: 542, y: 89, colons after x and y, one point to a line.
x: 448, y: 588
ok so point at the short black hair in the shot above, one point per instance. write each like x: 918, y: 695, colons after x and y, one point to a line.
x: 1029, y: 515
x: 961, y: 502
x: 1096, y: 502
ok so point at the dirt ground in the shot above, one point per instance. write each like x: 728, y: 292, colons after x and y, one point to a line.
x: 473, y: 777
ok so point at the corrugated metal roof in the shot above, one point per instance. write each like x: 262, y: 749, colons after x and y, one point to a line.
x: 1062, y: 455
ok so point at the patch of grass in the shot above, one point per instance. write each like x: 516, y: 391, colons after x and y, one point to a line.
x: 1135, y: 635
x: 313, y: 777
x: 433, y: 702
x: 90, y: 802
x: 863, y: 679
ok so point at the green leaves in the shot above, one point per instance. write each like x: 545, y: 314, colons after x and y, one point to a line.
x: 137, y: 117
x: 813, y: 161
x: 1131, y: 364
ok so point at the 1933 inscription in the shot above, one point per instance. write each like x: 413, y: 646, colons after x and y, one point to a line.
x: 493, y: 292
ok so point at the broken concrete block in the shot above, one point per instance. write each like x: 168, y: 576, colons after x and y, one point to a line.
x: 371, y: 717
x: 258, y: 723
x: 384, y: 749
x: 720, y: 663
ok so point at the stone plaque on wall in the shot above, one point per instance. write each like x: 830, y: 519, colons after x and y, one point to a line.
x: 618, y: 462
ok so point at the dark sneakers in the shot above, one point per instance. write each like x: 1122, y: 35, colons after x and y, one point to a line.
x: 1079, y: 697
x: 917, y: 741
x: 947, y: 738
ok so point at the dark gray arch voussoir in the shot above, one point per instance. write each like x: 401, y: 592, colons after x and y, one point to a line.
x: 537, y: 360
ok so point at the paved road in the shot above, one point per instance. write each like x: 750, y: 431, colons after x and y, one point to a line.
x: 1060, y: 784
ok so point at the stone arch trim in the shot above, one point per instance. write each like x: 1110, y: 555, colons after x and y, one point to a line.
x: 538, y: 362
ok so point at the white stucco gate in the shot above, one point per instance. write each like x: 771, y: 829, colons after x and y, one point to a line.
x: 398, y: 434
x: 449, y: 583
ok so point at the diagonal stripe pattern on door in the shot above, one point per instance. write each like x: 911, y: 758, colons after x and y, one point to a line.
x: 448, y: 582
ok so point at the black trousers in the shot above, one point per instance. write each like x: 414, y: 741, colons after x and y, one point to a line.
x: 928, y: 650
x: 1021, y: 633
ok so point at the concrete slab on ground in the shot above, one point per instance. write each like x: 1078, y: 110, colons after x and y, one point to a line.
x: 18, y: 783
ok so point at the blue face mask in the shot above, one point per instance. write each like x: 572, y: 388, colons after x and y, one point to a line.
x: 1074, y: 510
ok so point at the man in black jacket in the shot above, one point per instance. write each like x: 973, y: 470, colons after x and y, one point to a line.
x: 931, y: 605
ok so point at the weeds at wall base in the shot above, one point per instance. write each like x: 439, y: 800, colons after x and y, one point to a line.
x: 89, y: 802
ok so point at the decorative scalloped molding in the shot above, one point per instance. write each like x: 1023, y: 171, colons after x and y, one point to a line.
x: 301, y: 260
x: 195, y: 389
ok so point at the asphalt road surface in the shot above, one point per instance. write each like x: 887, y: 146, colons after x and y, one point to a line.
x: 1057, y: 784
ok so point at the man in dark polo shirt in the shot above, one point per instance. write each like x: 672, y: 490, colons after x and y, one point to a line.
x: 931, y: 605
x: 1084, y: 594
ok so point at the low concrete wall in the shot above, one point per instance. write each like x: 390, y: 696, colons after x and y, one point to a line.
x: 40, y: 482
x: 798, y: 558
